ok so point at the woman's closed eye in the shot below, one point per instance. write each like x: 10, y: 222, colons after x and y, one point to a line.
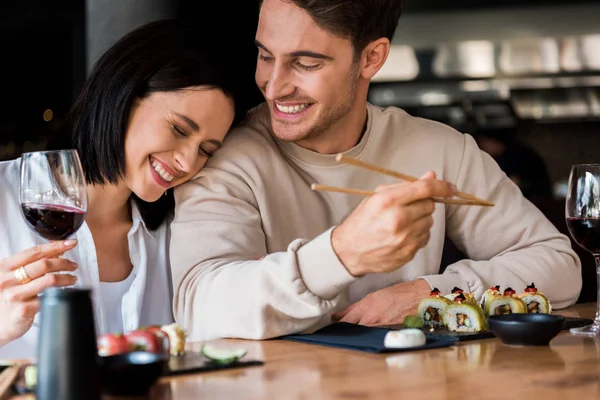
x: 178, y: 130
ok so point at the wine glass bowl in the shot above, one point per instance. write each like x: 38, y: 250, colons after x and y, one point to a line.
x: 53, y: 193
x: 582, y: 211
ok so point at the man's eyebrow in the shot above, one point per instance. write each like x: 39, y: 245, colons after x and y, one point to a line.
x: 300, y: 53
x: 189, y: 121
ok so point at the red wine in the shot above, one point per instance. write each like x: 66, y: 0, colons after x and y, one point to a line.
x: 53, y: 222
x: 586, y: 232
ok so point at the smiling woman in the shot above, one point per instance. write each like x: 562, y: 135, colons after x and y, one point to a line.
x: 155, y: 107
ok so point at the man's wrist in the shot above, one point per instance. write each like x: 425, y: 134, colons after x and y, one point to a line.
x: 337, y: 244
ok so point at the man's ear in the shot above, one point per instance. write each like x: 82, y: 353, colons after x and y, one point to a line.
x: 373, y: 57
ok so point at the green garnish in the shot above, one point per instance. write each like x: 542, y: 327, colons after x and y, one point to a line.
x: 222, y: 355
x: 413, y: 321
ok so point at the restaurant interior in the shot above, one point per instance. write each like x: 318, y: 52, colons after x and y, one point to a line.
x: 521, y: 76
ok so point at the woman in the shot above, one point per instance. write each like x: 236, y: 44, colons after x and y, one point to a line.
x: 156, y: 106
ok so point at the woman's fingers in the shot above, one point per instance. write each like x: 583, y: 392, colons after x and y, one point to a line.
x: 33, y: 254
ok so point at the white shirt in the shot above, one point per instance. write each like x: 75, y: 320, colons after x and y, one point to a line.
x: 148, y: 299
x: 112, y: 296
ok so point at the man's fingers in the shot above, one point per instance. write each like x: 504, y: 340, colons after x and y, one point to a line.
x: 36, y: 253
x: 403, y: 194
x: 352, y: 317
x: 428, y: 175
x: 341, y: 314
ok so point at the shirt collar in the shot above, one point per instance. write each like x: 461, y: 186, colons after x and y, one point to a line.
x: 137, y: 219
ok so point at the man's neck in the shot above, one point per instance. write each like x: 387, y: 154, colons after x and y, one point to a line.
x: 340, y: 137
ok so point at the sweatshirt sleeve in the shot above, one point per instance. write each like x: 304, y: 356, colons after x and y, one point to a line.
x: 225, y: 283
x: 511, y: 244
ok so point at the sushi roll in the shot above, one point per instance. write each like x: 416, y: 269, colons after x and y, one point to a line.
x: 535, y: 301
x: 455, y: 292
x: 489, y: 295
x: 176, y: 339
x: 464, y: 316
x: 469, y: 297
x: 508, y: 303
x: 431, y: 309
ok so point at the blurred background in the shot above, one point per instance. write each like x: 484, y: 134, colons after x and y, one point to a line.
x: 521, y: 76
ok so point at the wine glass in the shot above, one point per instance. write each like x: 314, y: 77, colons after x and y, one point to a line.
x: 582, y: 211
x: 53, y: 193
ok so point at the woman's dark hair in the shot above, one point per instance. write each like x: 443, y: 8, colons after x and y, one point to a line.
x: 162, y: 56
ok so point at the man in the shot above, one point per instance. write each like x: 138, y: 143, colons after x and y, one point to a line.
x: 257, y: 254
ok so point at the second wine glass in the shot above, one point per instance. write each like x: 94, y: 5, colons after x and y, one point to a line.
x: 583, y: 220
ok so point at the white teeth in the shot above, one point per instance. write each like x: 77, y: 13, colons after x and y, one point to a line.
x: 291, y: 109
x: 163, y: 174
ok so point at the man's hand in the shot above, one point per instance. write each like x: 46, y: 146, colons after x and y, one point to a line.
x: 386, y: 230
x: 386, y: 306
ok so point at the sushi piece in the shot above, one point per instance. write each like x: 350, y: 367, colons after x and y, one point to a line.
x: 112, y: 343
x: 404, y: 338
x: 176, y: 338
x: 508, y: 303
x: 469, y: 297
x: 455, y: 292
x: 162, y: 336
x: 431, y: 309
x: 535, y: 301
x: 140, y: 340
x: 464, y: 316
x: 489, y: 295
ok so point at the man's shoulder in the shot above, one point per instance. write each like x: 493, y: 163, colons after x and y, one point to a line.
x: 394, y: 120
x: 254, y: 129
x: 246, y: 147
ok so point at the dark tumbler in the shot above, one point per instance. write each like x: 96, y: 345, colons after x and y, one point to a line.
x: 67, y: 353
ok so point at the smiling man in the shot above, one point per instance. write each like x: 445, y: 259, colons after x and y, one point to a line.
x: 257, y: 254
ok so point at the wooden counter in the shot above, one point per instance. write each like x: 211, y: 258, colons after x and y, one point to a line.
x: 568, y: 369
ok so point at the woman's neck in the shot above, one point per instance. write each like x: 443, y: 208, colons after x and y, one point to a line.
x: 108, y: 204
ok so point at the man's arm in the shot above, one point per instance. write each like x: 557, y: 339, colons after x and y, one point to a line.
x: 511, y: 244
x: 218, y: 292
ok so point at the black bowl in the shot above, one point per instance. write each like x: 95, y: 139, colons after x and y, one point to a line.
x: 131, y: 374
x: 526, y: 329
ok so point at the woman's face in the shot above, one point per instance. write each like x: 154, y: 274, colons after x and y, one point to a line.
x: 171, y: 135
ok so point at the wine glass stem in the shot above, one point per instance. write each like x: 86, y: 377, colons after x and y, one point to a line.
x: 597, y: 259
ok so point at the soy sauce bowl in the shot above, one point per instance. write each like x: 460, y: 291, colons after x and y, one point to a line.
x: 131, y: 374
x: 526, y: 329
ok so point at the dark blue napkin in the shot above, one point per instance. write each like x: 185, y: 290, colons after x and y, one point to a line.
x: 363, y: 338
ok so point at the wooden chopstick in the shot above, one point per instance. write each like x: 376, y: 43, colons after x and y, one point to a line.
x: 325, y: 188
x: 352, y: 161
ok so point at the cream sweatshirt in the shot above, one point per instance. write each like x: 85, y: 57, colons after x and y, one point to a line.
x: 251, y: 249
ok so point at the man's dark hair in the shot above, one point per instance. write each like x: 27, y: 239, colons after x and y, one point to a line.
x: 360, y: 21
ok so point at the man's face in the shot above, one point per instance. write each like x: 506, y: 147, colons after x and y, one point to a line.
x: 307, y: 75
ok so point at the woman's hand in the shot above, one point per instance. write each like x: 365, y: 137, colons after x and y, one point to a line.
x: 25, y: 275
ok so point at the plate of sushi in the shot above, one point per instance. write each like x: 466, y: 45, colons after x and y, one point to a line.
x: 462, y: 316
x: 170, y: 340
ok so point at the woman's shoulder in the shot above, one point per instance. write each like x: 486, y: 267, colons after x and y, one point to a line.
x: 9, y: 180
x: 9, y: 170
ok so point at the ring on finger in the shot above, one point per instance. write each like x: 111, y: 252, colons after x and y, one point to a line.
x: 21, y: 275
